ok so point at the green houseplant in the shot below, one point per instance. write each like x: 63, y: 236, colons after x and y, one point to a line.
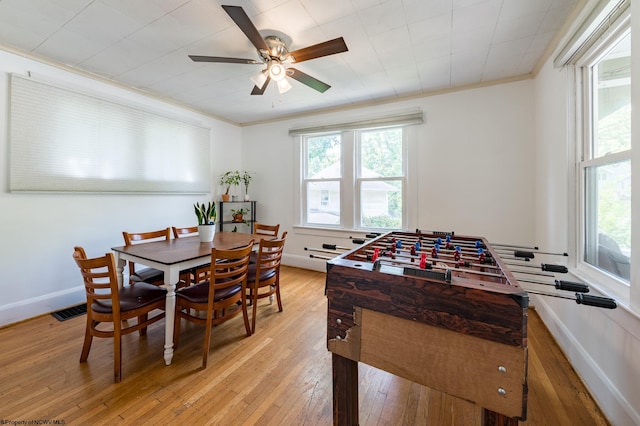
x: 207, y: 215
x: 246, y: 180
x: 238, y: 215
x: 229, y: 179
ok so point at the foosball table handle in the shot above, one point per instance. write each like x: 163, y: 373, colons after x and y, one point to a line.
x: 600, y: 302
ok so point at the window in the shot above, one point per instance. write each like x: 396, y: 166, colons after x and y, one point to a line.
x: 354, y: 179
x: 380, y: 178
x: 322, y: 179
x: 605, y: 160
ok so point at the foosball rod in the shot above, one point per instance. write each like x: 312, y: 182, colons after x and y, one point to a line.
x: 501, y: 247
x: 463, y: 246
x: 322, y: 250
x: 433, y: 240
x: 421, y: 251
x: 542, y: 274
x: 561, y: 285
x: 438, y: 259
x: 495, y: 245
x: 582, y: 299
x: 561, y: 269
x: 411, y: 242
x: 362, y: 240
x: 431, y: 266
x: 315, y: 256
x: 536, y: 249
x: 334, y: 247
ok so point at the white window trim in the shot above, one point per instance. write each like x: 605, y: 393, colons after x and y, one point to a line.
x: 410, y: 186
x: 600, y: 280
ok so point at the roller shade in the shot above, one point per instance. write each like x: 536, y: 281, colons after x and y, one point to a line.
x: 594, y: 26
x: 405, y: 119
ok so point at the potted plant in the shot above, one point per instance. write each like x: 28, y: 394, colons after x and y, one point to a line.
x: 229, y: 179
x: 238, y: 215
x: 246, y: 180
x: 206, y: 214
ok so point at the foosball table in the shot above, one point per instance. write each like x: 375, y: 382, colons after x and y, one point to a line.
x: 438, y: 309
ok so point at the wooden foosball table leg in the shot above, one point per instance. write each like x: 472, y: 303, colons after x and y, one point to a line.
x: 345, y: 391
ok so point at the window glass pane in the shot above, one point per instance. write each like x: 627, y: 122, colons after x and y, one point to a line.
x: 381, y: 153
x: 612, y: 100
x: 323, y: 157
x: 608, y: 218
x: 323, y: 202
x: 381, y: 204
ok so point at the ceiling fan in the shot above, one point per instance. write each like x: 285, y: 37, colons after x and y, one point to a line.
x: 275, y: 54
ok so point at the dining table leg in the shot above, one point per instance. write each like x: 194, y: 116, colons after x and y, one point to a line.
x: 172, y: 275
x: 120, y: 264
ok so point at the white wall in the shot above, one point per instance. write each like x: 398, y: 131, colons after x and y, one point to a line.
x: 603, y: 345
x: 474, y: 157
x: 39, y: 231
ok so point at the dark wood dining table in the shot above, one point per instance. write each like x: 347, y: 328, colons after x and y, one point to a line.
x: 171, y: 257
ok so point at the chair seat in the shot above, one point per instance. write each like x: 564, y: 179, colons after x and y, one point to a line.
x: 199, y: 293
x: 148, y: 275
x: 132, y: 297
x: 264, y: 275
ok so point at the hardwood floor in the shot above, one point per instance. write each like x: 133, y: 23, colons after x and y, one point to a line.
x: 280, y: 375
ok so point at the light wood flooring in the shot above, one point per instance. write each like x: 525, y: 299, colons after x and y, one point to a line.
x: 279, y: 376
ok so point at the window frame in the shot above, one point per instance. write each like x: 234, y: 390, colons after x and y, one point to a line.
x: 305, y: 181
x: 584, y: 160
x: 350, y: 180
x: 359, y: 179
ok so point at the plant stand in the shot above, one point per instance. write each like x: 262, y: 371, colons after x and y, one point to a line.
x: 227, y: 222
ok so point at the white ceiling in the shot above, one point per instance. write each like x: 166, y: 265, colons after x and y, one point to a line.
x: 397, y: 48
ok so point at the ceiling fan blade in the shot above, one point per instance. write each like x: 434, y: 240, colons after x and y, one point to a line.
x: 196, y: 58
x: 244, y: 23
x: 303, y: 78
x: 260, y: 90
x: 327, y: 48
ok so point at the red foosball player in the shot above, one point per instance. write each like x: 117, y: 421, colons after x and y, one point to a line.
x: 376, y: 254
x: 423, y: 261
x: 482, y: 257
x: 457, y: 254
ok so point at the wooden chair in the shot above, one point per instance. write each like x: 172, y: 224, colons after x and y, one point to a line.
x: 107, y: 303
x: 195, y: 275
x: 220, y: 298
x: 264, y: 275
x: 260, y: 230
x: 149, y: 275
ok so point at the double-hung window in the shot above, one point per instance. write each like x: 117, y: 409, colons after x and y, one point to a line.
x: 380, y: 178
x: 604, y: 162
x: 354, y: 179
x: 322, y: 181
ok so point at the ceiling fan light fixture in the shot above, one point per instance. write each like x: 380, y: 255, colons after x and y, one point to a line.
x: 276, y: 71
x: 260, y: 78
x: 283, y: 86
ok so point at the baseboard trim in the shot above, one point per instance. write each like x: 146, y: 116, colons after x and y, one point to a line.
x: 45, y: 304
x: 613, y: 403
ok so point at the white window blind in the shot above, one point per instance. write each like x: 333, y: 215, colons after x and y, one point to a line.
x: 593, y: 28
x: 406, y: 119
x: 66, y: 141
